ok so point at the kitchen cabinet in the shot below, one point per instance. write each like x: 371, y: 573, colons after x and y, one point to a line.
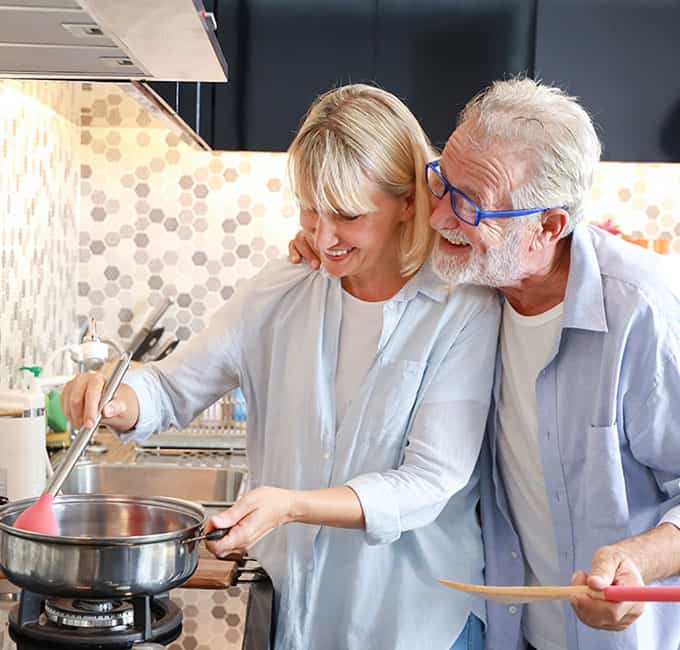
x: 437, y: 55
x: 620, y: 57
x: 434, y: 55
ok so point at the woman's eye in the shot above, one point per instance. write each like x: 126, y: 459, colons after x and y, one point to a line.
x: 349, y: 217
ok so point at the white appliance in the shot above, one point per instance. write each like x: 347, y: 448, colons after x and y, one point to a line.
x: 22, y: 444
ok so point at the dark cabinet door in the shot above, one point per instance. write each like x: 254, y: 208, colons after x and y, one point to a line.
x: 227, y: 111
x: 294, y: 51
x: 437, y: 55
x: 621, y: 58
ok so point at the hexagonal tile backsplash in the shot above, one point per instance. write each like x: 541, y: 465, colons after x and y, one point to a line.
x: 160, y: 219
x: 106, y: 210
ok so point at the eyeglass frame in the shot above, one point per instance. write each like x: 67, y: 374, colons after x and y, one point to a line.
x: 479, y: 213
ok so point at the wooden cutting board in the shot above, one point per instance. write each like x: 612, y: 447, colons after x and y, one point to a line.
x: 212, y: 574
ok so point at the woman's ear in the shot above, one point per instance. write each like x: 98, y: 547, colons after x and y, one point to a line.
x: 408, y: 208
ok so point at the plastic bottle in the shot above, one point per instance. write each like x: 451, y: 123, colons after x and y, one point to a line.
x: 22, y: 439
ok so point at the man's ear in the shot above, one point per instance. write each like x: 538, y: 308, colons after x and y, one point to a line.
x: 553, y: 223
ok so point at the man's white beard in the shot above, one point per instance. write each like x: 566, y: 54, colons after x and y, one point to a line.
x: 499, y: 267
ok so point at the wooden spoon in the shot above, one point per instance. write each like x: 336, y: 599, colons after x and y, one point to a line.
x: 615, y: 593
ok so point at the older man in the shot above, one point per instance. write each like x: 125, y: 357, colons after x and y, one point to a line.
x: 582, y: 477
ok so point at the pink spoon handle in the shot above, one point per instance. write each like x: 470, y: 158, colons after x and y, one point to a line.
x: 621, y: 593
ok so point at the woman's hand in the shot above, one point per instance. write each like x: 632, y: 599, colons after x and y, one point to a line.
x: 301, y: 249
x: 80, y: 402
x: 250, y: 519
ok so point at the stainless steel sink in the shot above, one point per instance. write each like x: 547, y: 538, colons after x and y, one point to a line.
x: 206, y: 485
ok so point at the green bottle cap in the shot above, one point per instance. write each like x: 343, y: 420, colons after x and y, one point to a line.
x: 36, y: 370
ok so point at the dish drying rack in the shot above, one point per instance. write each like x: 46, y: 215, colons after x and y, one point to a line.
x: 221, y: 426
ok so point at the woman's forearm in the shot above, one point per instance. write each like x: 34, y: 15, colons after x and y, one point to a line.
x: 338, y: 506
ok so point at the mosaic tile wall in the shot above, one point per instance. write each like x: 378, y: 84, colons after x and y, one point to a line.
x: 642, y: 199
x: 160, y: 219
x: 39, y: 132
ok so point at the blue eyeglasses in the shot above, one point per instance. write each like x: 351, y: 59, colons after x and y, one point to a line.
x: 462, y: 205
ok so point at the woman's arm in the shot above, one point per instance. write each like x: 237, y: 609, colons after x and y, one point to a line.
x: 266, y: 508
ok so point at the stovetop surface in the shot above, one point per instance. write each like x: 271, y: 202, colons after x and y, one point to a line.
x: 212, y: 619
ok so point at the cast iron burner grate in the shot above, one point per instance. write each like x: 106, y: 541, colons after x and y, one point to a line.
x: 37, y: 623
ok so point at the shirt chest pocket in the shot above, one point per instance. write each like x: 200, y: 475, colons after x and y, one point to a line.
x: 391, y: 399
x: 604, y: 501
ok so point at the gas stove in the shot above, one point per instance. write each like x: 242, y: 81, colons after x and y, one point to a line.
x: 232, y: 618
x: 36, y: 623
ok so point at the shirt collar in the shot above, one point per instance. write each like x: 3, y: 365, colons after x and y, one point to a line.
x: 425, y: 281
x: 584, y: 299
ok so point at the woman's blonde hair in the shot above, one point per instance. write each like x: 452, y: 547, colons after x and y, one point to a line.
x: 357, y: 133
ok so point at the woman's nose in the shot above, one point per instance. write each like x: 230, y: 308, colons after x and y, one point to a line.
x: 324, y: 234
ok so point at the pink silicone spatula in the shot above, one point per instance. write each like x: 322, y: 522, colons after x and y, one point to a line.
x: 615, y: 593
x: 40, y: 517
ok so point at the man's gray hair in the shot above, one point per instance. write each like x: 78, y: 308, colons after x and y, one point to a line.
x: 555, y: 132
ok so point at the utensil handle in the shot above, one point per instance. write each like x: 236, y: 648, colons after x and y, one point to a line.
x: 148, y: 325
x: 655, y: 594
x: 218, y: 533
x: 84, y: 435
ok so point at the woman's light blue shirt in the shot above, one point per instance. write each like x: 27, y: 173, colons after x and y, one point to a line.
x: 408, y: 446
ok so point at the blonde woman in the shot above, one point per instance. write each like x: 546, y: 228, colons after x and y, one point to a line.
x: 367, y: 388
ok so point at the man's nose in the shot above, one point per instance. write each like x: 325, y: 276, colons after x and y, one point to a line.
x: 442, y: 216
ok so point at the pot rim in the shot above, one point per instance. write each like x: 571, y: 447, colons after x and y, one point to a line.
x: 178, y: 505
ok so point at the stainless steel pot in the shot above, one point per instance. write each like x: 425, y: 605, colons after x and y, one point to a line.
x: 108, y: 547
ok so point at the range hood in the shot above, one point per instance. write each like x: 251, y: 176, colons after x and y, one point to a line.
x: 169, y: 40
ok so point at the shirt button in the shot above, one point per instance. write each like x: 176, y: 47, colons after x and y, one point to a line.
x: 547, y: 435
x: 512, y: 610
x: 326, y: 456
x: 513, y: 555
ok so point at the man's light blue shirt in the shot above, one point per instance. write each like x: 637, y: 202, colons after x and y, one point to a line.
x: 608, y: 406
x: 408, y: 446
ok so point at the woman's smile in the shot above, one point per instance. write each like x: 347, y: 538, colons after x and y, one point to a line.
x: 337, y: 254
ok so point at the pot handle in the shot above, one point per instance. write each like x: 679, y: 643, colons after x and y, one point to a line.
x: 217, y: 533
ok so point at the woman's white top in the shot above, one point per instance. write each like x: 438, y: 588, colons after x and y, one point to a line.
x: 360, y: 329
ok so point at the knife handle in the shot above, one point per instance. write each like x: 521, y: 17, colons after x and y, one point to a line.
x: 654, y: 593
